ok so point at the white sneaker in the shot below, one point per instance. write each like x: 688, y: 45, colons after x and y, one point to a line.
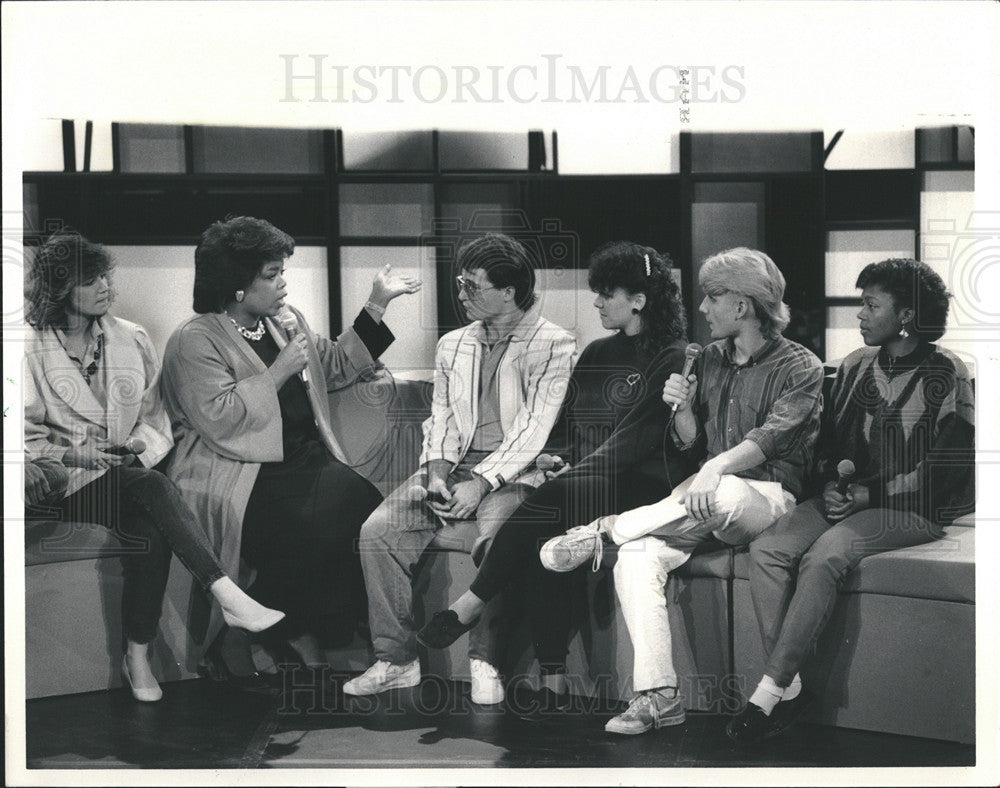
x: 574, y: 548
x: 647, y: 710
x: 486, y: 686
x: 384, y: 676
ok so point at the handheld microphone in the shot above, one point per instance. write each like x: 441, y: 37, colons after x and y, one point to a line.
x: 417, y: 494
x: 845, y: 472
x: 291, y: 327
x: 131, y: 446
x: 553, y: 463
x: 691, y: 354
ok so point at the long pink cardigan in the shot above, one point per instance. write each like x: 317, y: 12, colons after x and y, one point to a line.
x: 226, y: 420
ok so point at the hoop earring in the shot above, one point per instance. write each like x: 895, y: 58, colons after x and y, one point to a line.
x: 635, y: 311
x: 239, y: 295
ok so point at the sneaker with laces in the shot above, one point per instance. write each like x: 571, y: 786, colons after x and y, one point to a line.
x: 486, y: 686
x: 574, y: 548
x: 384, y: 676
x: 648, y: 710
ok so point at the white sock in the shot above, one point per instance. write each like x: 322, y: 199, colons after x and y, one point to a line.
x: 792, y: 690
x: 767, y: 695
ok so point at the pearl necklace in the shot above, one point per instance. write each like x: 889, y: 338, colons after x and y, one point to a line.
x: 254, y: 335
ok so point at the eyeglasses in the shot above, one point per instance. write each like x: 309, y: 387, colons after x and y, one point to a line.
x: 471, y: 289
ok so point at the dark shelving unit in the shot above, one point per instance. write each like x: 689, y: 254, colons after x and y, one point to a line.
x: 797, y: 202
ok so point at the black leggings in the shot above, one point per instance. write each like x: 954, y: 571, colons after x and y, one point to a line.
x: 512, y: 565
x: 145, y: 510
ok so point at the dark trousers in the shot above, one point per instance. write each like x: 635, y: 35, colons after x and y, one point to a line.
x: 300, y: 533
x: 145, y: 510
x: 512, y: 565
x: 799, y: 563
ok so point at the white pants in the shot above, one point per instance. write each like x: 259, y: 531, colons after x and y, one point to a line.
x: 658, y: 538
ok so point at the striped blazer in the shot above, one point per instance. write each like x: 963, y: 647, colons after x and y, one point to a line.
x: 532, y: 380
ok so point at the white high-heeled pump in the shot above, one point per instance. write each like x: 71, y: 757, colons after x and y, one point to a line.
x: 141, y: 694
x: 265, y: 620
x: 251, y: 616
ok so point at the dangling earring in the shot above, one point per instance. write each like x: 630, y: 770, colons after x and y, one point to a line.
x: 903, y: 333
x: 239, y: 295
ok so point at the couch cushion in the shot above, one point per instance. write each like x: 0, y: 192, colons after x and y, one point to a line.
x: 943, y: 570
x: 378, y: 423
x: 711, y: 559
x: 53, y: 542
x: 966, y: 520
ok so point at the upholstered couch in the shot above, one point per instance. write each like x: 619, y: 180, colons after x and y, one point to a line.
x: 898, y: 655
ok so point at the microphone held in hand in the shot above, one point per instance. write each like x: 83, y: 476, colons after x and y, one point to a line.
x: 549, y: 462
x: 291, y: 326
x: 691, y: 355
x: 131, y: 446
x: 845, y: 472
x: 417, y: 494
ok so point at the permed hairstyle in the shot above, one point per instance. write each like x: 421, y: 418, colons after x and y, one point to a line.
x: 229, y: 257
x: 506, y: 263
x: 65, y: 260
x: 751, y: 274
x: 623, y: 264
x: 915, y: 285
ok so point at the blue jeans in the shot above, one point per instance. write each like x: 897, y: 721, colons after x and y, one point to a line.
x: 392, y: 541
x: 145, y: 510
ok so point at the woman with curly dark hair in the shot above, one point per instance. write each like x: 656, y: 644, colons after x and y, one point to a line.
x: 91, y: 405
x: 902, y: 413
x: 245, y: 383
x: 605, y: 455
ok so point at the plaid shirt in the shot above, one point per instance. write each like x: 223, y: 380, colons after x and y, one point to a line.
x: 774, y: 400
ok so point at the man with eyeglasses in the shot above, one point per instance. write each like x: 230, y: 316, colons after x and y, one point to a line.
x: 498, y: 385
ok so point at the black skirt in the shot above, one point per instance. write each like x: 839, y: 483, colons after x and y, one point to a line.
x: 300, y: 533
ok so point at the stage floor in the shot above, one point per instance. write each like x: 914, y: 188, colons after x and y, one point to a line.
x: 200, y: 724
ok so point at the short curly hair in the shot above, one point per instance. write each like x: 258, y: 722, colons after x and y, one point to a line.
x: 230, y: 255
x: 623, y: 264
x: 915, y: 285
x: 64, y: 261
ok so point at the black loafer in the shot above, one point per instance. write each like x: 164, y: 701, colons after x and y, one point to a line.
x: 254, y: 683
x: 750, y: 726
x: 541, y: 705
x: 443, y: 629
x: 788, y: 712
